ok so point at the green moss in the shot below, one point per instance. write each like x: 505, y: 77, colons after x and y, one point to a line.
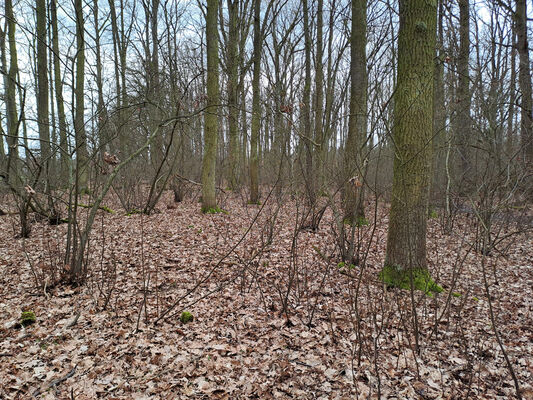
x: 27, y: 318
x: 359, y: 221
x: 213, y: 210
x: 133, y: 212
x: 455, y: 294
x: 103, y: 208
x: 342, y: 264
x: 186, y: 317
x: 396, y: 276
x: 433, y: 214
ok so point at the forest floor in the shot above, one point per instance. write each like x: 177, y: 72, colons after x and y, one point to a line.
x: 275, y: 314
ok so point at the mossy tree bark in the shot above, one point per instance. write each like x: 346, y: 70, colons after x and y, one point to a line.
x: 256, y: 108
x: 357, y: 123
x: 412, y: 136
x: 211, y: 113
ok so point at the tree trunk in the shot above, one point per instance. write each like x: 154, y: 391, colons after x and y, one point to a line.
x: 79, y: 117
x: 64, y: 155
x: 319, y: 99
x: 101, y: 112
x: 233, y: 92
x: 412, y: 136
x: 463, y: 122
x: 524, y: 79
x: 211, y: 113
x: 11, y: 101
x: 357, y: 124
x: 42, y: 91
x: 306, y: 111
x: 439, y: 113
x: 256, y: 108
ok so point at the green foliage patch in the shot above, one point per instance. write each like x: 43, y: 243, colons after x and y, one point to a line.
x: 27, y: 318
x: 398, y: 277
x: 213, y: 210
x: 186, y: 317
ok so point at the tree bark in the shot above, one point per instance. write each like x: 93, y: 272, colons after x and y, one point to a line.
x: 412, y: 136
x: 64, y: 154
x: 463, y: 122
x: 42, y: 91
x: 524, y: 79
x: 211, y: 113
x: 357, y: 123
x: 11, y: 102
x: 79, y: 117
x: 256, y: 108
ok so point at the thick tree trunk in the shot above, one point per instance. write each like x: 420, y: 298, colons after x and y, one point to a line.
x: 412, y: 137
x: 211, y: 113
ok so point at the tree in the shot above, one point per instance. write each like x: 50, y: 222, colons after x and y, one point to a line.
x: 462, y: 127
x: 232, y: 63
x: 11, y: 103
x: 357, y: 125
x: 256, y: 107
x: 79, y: 117
x: 210, y: 116
x: 405, y: 261
x: 42, y: 90
x: 524, y: 78
x: 58, y: 83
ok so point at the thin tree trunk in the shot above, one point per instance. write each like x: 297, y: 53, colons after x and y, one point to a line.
x: 524, y: 78
x: 64, y: 155
x: 79, y: 117
x: 211, y: 113
x: 256, y: 107
x: 357, y: 124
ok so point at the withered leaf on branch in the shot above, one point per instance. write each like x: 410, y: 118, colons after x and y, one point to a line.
x: 111, y: 159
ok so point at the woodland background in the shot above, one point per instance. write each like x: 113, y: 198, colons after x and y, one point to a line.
x: 337, y: 192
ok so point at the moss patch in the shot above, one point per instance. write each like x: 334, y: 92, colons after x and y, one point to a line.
x: 395, y: 276
x: 27, y: 318
x: 213, y: 210
x: 103, y: 208
x: 186, y: 317
x: 359, y: 221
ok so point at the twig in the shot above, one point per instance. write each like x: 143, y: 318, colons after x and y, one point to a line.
x: 57, y: 381
x: 75, y: 320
